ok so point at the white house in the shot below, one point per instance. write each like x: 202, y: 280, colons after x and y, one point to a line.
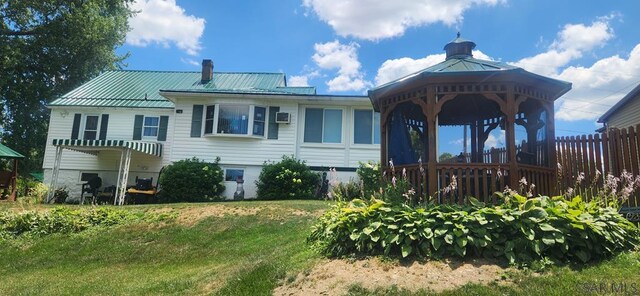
x: 127, y: 124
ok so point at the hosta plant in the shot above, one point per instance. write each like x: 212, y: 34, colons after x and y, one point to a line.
x: 519, y: 230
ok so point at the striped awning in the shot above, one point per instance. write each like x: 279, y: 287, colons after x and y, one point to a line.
x: 150, y: 148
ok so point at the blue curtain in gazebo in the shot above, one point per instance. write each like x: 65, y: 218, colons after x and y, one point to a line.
x: 400, y: 148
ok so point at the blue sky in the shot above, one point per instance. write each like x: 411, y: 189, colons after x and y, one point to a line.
x: 347, y: 47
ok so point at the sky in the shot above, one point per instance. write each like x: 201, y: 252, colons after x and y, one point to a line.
x: 347, y: 47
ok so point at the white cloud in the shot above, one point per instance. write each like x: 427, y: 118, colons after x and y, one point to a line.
x: 398, y: 68
x: 595, y: 88
x: 301, y: 80
x: 496, y: 139
x: 165, y: 23
x: 190, y: 62
x: 598, y: 87
x: 572, y: 41
x: 459, y: 141
x: 379, y: 19
x: 343, y: 58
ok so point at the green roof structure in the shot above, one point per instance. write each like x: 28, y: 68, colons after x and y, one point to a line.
x: 6, y: 152
x: 141, y: 89
x: 460, y: 62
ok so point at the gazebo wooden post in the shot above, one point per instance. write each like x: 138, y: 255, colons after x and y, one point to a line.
x: 14, y: 176
x: 384, y: 117
x: 432, y: 172
x: 551, y: 147
x: 510, y: 137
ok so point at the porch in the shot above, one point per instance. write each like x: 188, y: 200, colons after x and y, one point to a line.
x: 128, y: 150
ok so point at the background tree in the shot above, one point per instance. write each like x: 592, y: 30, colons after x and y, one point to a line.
x: 445, y: 156
x: 47, y: 48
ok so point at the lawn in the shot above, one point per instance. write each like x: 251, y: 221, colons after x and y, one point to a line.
x: 241, y: 250
x: 238, y: 248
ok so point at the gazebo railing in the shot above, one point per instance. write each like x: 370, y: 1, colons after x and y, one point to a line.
x: 471, y: 179
x: 479, y: 180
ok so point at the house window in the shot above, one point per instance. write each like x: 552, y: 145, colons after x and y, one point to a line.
x: 85, y: 177
x: 233, y: 119
x: 273, y: 125
x: 323, y: 125
x: 248, y: 120
x: 91, y: 124
x: 366, y: 127
x: 232, y: 175
x: 259, y: 115
x: 150, y: 126
x: 208, y: 119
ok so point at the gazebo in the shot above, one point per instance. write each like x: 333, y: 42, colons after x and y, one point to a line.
x: 481, y: 97
x: 8, y: 178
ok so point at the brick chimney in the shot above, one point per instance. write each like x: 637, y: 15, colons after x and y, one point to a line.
x: 207, y: 70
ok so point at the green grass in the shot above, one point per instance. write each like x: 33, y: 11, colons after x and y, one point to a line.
x: 233, y: 255
x: 230, y: 255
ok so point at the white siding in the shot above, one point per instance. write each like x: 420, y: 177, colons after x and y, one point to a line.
x: 628, y: 115
x: 232, y: 150
x: 345, y: 154
x: 120, y: 127
x: 248, y: 153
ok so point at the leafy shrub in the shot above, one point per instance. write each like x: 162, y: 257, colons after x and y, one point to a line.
x: 520, y: 230
x: 60, y: 195
x: 31, y: 191
x: 345, y: 191
x: 191, y: 180
x: 287, y: 179
x: 64, y: 220
x: 370, y: 175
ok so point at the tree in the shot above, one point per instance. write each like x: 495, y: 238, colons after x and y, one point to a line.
x: 47, y: 48
x: 445, y: 156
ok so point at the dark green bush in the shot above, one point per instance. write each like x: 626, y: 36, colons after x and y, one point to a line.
x: 520, y: 230
x: 289, y: 178
x: 191, y: 180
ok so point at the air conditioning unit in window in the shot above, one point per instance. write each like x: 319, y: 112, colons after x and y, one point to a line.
x: 283, y: 117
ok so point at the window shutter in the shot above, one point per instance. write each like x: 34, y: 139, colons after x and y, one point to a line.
x: 104, y: 123
x: 75, y: 130
x: 273, y: 126
x: 162, y: 130
x: 196, y: 121
x: 137, y: 127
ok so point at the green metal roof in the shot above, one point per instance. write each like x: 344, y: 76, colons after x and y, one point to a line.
x: 468, y: 64
x: 140, y: 89
x: 6, y: 152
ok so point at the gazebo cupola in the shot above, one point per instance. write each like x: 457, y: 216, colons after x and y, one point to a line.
x: 459, y: 48
x: 504, y: 115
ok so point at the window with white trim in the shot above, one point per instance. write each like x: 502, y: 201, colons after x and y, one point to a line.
x: 208, y: 119
x: 150, y: 126
x: 323, y: 125
x: 366, y: 127
x: 259, y: 114
x: 230, y: 119
x: 91, y: 124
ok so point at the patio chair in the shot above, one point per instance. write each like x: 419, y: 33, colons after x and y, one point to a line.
x: 91, y: 187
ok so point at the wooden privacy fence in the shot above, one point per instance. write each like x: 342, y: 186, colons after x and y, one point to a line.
x: 610, y: 152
